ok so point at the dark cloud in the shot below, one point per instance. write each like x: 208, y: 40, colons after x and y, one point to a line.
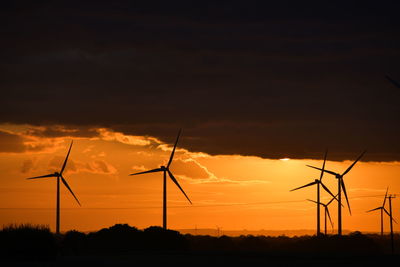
x: 20, y: 143
x: 274, y: 80
x: 95, y: 166
x: 11, y: 143
x: 54, y: 131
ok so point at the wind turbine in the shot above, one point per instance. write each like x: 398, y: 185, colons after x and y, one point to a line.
x: 326, y: 212
x: 340, y: 187
x: 59, y: 177
x: 318, y: 182
x: 391, y: 220
x: 165, y: 170
x: 382, y: 209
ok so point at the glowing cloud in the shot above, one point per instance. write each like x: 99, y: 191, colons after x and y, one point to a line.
x: 109, y: 135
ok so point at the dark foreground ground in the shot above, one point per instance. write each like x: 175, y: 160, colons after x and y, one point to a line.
x: 123, y: 245
x: 204, y: 259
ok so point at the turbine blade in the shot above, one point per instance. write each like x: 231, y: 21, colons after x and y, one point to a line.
x: 389, y: 215
x: 393, y: 81
x: 329, y: 216
x: 314, y: 201
x: 379, y: 208
x: 313, y: 183
x: 384, y: 200
x: 345, y: 194
x: 386, y: 212
x: 354, y: 163
x: 154, y: 170
x: 70, y: 190
x: 330, y: 201
x: 65, y: 161
x: 43, y: 176
x: 177, y: 184
x: 327, y: 190
x: 173, y: 150
x: 330, y: 172
x: 323, y: 165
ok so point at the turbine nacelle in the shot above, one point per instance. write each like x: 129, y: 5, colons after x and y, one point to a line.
x: 163, y: 168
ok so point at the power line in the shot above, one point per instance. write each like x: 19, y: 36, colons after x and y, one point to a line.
x: 175, y: 207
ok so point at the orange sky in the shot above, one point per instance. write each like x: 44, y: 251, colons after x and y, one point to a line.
x: 229, y: 191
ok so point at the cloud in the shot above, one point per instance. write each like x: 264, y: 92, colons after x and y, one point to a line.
x: 109, y: 135
x: 73, y: 166
x: 138, y: 168
x: 27, y: 166
x: 104, y: 167
x: 10, y: 142
x: 214, y: 179
x: 265, y: 79
x: 55, y: 131
x: 189, y: 168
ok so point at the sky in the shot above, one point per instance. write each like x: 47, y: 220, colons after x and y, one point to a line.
x: 250, y: 83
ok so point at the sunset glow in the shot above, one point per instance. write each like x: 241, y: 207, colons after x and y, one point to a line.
x: 232, y: 191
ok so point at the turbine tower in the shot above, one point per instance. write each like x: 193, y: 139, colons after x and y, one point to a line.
x: 319, y: 183
x: 382, y: 209
x: 341, y: 186
x: 59, y: 177
x: 165, y: 170
x: 391, y: 221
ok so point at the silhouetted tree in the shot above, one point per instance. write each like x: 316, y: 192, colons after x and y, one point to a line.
x: 27, y: 242
x: 158, y: 238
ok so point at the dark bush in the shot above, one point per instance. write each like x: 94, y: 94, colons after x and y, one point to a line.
x: 27, y: 242
x: 157, y: 238
x: 117, y: 237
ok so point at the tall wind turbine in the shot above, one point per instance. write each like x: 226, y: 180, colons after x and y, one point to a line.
x: 165, y: 170
x: 318, y: 182
x: 59, y: 177
x: 382, y: 209
x: 341, y: 186
x: 326, y: 212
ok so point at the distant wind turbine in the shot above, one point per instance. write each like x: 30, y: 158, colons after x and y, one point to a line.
x: 318, y: 182
x: 59, y: 176
x: 165, y: 170
x: 382, y: 209
x: 391, y: 221
x: 340, y: 187
x: 326, y: 212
